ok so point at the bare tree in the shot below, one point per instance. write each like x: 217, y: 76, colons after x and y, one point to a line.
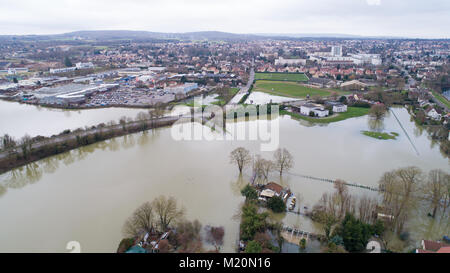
x: 342, y: 198
x: 398, y: 188
x: 377, y: 111
x: 241, y: 157
x: 26, y: 145
x: 188, y: 236
x: 267, y: 168
x: 142, y: 221
x: 366, y: 207
x: 436, y: 189
x: 214, y: 236
x: 167, y: 211
x: 283, y: 160
x: 262, y: 168
x: 7, y: 142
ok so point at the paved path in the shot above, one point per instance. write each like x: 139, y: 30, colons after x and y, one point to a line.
x: 244, y: 90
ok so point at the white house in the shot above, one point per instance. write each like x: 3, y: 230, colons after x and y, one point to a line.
x: 320, y: 112
x: 62, y: 70
x: 282, y: 61
x: 432, y: 113
x: 84, y: 65
x: 307, y: 108
x: 339, y: 108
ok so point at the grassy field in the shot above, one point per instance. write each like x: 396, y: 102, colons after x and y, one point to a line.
x: 288, y: 89
x: 441, y: 98
x: 352, y: 112
x: 378, y: 135
x: 222, y: 101
x: 295, y: 77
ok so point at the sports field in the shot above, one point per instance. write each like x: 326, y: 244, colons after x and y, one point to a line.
x: 288, y: 89
x: 294, y: 77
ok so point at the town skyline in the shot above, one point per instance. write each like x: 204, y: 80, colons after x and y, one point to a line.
x: 263, y: 35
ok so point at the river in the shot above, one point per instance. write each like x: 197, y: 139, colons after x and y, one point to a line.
x: 86, y: 195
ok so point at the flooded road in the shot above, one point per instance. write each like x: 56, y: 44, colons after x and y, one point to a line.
x: 87, y: 194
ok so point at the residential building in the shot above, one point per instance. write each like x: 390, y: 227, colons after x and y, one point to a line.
x: 433, y: 247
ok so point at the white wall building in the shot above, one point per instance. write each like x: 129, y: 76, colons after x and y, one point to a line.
x: 317, y: 109
x: 434, y: 114
x: 374, y: 59
x: 184, y: 88
x: 339, y: 108
x: 282, y: 61
x: 306, y: 109
x: 336, y: 51
x: 320, y: 112
x: 84, y: 65
x: 62, y: 70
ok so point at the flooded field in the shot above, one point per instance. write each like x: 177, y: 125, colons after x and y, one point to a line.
x: 87, y: 194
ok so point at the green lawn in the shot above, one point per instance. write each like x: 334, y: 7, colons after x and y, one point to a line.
x: 378, y: 135
x: 441, y: 98
x: 296, y: 77
x: 352, y: 112
x: 220, y: 101
x: 288, y: 89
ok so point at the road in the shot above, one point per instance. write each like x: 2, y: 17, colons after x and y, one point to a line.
x: 244, y: 90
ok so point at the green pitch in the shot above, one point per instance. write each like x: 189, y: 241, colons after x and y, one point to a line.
x: 293, y: 77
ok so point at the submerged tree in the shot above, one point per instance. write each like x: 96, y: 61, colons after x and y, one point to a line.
x: 377, y: 111
x: 262, y: 168
x: 398, y: 188
x: 142, y: 221
x: 241, y: 157
x: 436, y: 190
x: 188, y: 236
x: 283, y: 160
x: 214, y: 236
x: 167, y: 211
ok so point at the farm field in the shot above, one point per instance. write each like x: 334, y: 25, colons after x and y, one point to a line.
x: 296, y: 77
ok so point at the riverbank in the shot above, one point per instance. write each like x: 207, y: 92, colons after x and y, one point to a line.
x: 352, y: 112
x: 41, y: 147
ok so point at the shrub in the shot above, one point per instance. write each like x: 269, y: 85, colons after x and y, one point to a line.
x: 253, y: 247
x: 249, y: 192
x: 276, y: 204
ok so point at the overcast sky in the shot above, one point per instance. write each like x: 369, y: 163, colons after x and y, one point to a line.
x: 406, y: 18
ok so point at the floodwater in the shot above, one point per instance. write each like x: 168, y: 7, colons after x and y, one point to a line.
x: 18, y: 119
x: 86, y: 195
x: 264, y: 98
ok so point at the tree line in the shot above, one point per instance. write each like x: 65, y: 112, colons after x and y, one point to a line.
x: 282, y: 161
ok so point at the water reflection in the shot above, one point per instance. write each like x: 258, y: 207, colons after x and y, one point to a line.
x: 238, y: 185
x: 31, y: 173
x: 197, y: 173
x: 376, y: 124
x: 426, y: 227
